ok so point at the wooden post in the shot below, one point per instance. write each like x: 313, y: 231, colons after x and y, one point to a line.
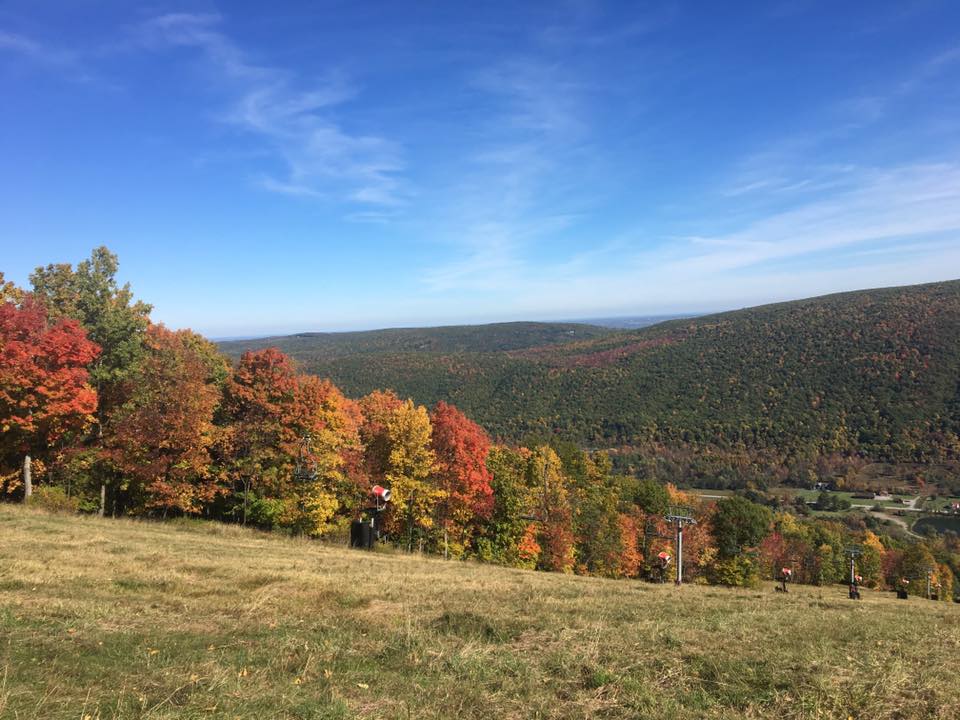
x: 103, y: 499
x: 27, y: 479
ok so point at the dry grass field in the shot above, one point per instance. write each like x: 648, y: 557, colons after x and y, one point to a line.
x: 124, y: 619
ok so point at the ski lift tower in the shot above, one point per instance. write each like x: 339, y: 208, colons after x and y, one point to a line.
x: 853, y: 552
x: 679, y: 516
x: 305, y: 471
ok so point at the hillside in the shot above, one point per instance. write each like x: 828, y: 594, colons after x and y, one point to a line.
x: 871, y: 372
x: 313, y: 347
x: 206, y: 620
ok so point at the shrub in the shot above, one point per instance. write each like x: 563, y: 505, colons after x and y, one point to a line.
x: 737, y: 571
x: 54, y: 499
x: 261, y: 512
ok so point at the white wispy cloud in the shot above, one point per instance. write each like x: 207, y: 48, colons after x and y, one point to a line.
x: 323, y: 159
x: 790, y: 210
x: 528, y: 178
x: 19, y: 44
x: 35, y: 50
x: 885, y: 226
x: 538, y: 96
x: 514, y: 192
x: 877, y: 205
x: 68, y: 63
x: 794, y: 163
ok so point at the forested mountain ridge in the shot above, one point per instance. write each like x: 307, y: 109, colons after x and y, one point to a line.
x: 318, y: 346
x: 872, y: 373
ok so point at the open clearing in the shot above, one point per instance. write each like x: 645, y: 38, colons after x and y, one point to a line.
x: 124, y: 619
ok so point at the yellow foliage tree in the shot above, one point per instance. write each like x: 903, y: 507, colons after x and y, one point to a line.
x: 945, y: 578
x: 410, y: 466
x: 321, y: 418
x: 870, y: 563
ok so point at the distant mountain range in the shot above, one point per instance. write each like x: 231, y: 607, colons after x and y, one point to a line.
x: 874, y: 373
x: 634, y: 322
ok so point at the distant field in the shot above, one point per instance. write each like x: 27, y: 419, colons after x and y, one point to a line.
x: 811, y: 495
x: 709, y: 492
x: 123, y: 619
x: 938, y: 504
x: 634, y: 323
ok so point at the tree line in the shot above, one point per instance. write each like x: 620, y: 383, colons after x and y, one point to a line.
x: 105, y: 411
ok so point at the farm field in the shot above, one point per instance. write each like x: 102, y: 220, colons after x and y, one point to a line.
x: 125, y: 619
x: 897, y: 511
x: 897, y: 501
x: 938, y: 504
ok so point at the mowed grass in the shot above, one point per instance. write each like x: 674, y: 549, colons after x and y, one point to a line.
x: 124, y: 619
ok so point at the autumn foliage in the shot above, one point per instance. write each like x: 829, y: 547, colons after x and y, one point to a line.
x: 460, y: 448
x: 180, y: 430
x: 162, y: 434
x: 44, y: 384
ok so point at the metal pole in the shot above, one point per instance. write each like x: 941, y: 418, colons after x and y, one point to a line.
x: 680, y: 553
x: 679, y: 516
x: 853, y: 575
x: 928, y: 584
x: 27, y: 478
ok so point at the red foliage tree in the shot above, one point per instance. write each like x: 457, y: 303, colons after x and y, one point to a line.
x: 461, y: 447
x: 44, y: 389
x: 161, y: 437
x: 260, y: 402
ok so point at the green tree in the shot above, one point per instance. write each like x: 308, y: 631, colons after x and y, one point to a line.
x: 512, y: 502
x: 113, y: 319
x: 738, y: 525
x: 596, y: 519
x: 650, y: 496
x: 116, y: 322
x: 916, y: 562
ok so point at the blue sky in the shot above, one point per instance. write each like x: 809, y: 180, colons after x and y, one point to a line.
x: 337, y: 165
